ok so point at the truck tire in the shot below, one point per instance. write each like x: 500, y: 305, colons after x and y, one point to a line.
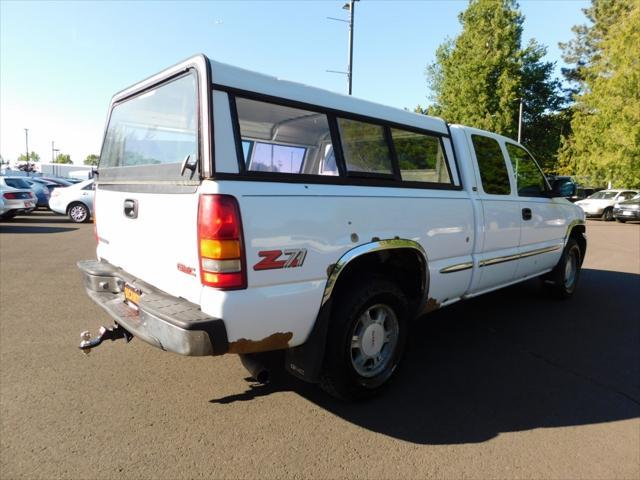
x: 565, y: 275
x: 366, y: 340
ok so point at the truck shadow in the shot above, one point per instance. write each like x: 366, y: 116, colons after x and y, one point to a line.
x: 508, y: 361
x: 33, y: 229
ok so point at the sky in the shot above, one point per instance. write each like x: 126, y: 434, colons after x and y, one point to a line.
x: 60, y: 62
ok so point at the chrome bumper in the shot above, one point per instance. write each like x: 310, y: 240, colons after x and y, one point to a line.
x: 170, y: 323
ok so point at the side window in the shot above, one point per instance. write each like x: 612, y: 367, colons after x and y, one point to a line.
x: 420, y: 157
x: 491, y: 162
x: 91, y: 186
x: 529, y: 177
x: 276, y: 138
x: 365, y: 147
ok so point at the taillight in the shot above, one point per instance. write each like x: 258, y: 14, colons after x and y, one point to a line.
x: 10, y: 195
x: 220, y: 246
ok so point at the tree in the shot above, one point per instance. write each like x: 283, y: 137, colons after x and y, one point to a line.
x: 92, y: 160
x: 479, y: 77
x: 63, y: 158
x: 605, y: 143
x: 33, y: 157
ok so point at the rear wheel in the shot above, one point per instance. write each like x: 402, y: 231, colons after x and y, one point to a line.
x: 366, y: 340
x: 78, y: 213
x: 564, y: 277
x: 607, y: 215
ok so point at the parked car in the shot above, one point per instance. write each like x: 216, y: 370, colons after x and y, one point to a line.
x: 627, y: 210
x: 317, y: 223
x: 601, y: 203
x: 16, y: 201
x: 583, y: 192
x: 48, y: 183
x: 41, y: 190
x: 74, y: 200
x: 61, y: 182
x: 18, y: 182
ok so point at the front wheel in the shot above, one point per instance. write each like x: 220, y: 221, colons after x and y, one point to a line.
x: 78, y: 213
x: 564, y: 277
x: 366, y: 340
x: 607, y: 215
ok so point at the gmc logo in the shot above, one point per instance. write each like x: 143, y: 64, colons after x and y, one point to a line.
x: 272, y: 259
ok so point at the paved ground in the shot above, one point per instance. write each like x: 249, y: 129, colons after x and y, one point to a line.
x: 511, y: 385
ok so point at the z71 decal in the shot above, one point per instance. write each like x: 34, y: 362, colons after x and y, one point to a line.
x: 272, y: 259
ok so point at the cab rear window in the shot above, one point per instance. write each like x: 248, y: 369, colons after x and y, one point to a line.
x: 150, y: 135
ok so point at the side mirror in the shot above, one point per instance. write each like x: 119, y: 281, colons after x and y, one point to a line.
x: 563, y: 188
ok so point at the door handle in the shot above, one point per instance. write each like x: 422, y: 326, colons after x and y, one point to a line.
x: 526, y: 214
x: 131, y: 208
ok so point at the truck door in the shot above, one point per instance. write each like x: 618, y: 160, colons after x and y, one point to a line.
x: 543, y: 220
x: 496, y: 255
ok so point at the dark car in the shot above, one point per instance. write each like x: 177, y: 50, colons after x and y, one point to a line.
x: 627, y: 210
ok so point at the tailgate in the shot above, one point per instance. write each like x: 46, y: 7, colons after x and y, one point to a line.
x: 156, y: 242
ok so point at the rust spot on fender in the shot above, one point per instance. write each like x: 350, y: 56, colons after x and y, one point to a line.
x: 277, y: 341
x: 431, y: 305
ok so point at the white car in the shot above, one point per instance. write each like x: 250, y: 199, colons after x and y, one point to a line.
x: 601, y: 203
x: 16, y: 201
x: 75, y: 201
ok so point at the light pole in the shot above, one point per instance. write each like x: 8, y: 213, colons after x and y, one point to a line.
x: 26, y: 140
x: 520, y: 123
x: 350, y: 6
x: 52, y: 152
x: 349, y: 73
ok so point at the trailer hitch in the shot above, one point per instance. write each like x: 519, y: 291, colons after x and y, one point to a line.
x: 113, y: 333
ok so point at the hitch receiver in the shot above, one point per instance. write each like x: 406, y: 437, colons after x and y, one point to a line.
x: 113, y: 333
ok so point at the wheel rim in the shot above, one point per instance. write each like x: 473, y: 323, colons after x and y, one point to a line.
x: 570, y: 269
x: 78, y: 213
x: 374, y: 340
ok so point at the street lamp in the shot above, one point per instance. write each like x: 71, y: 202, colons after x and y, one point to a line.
x: 26, y: 139
x: 520, y: 123
x: 349, y: 73
x: 350, y: 6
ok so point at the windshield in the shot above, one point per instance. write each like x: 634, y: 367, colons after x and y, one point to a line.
x: 603, y: 195
x: 17, y: 183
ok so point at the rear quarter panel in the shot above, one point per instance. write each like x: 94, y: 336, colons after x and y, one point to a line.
x: 327, y: 221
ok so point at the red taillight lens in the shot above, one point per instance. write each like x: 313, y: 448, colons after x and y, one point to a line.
x: 10, y: 195
x: 220, y: 246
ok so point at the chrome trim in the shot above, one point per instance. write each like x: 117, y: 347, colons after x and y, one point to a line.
x: 376, y: 246
x: 459, y: 267
x: 539, y: 251
x: 497, y: 260
x: 509, y: 258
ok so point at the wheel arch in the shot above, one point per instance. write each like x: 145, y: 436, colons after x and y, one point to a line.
x: 381, y: 255
x: 578, y: 231
x: 305, y: 361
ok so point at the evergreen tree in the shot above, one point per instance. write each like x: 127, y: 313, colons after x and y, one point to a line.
x: 479, y: 77
x: 605, y: 144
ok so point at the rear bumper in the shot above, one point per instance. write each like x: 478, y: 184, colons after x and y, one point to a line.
x: 626, y: 214
x: 169, y: 323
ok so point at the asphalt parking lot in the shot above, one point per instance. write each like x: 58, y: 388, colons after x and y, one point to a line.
x: 509, y: 385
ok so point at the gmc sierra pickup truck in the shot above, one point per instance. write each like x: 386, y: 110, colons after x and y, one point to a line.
x: 237, y: 213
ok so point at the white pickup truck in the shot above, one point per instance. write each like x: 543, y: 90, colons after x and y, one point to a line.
x: 239, y: 213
